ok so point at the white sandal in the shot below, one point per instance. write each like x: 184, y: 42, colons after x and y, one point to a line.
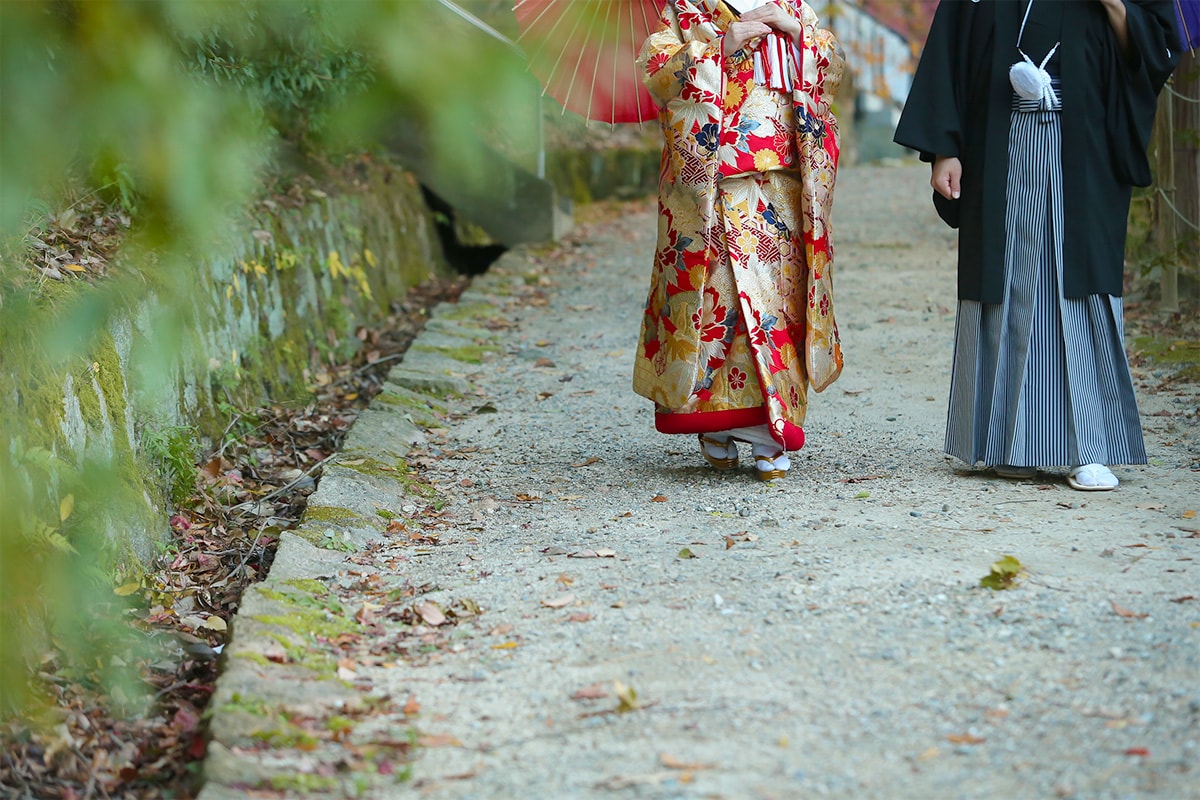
x: 1092, y: 478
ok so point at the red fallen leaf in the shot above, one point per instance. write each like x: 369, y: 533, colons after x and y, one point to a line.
x: 180, y: 523
x: 1122, y: 611
x: 596, y: 691
x: 412, y: 707
x: 198, y: 747
x: 658, y: 498
x: 185, y: 720
x: 1144, y: 752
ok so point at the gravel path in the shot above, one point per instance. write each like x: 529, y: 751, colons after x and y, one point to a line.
x: 828, y: 636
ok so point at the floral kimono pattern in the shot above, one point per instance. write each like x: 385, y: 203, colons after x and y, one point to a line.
x: 739, y: 319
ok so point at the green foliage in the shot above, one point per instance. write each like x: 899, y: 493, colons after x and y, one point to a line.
x: 173, y: 452
x: 292, y: 64
x: 1004, y: 574
x: 173, y: 110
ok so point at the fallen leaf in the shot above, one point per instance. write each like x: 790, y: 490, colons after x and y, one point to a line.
x: 501, y: 629
x: 1144, y: 752
x: 214, y: 624
x: 597, y: 691
x: 1189, y: 514
x: 627, y: 697
x: 587, y: 462
x: 438, y: 740
x: 929, y: 754
x: 658, y: 498
x: 560, y: 602
x: 687, y: 553
x: 127, y: 589
x: 965, y: 738
x: 1183, y: 599
x: 431, y: 614
x: 412, y: 707
x: 1004, y: 574
x: 1122, y: 611
x: 543, y: 362
x: 671, y: 762
x: 65, y: 507
x: 579, y: 616
x: 505, y: 646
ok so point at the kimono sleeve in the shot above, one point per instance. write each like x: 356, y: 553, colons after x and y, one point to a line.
x: 670, y: 65
x: 1135, y: 79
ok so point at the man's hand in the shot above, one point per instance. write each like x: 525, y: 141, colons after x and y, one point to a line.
x: 947, y: 177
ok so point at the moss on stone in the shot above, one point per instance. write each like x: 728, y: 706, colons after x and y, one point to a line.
x: 468, y: 311
x: 468, y: 354
x: 335, y: 515
x: 310, y: 585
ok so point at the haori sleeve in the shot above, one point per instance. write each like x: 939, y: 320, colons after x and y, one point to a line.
x: 670, y: 61
x: 1135, y: 80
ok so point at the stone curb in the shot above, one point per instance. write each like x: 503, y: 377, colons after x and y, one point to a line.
x: 267, y: 678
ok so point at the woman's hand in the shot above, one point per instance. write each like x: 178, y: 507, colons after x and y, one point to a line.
x: 739, y: 34
x: 774, y: 16
x: 947, y: 177
x: 757, y: 23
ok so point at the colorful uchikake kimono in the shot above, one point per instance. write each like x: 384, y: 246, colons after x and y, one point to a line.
x: 739, y: 318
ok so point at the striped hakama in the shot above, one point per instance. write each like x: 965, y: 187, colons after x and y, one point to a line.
x: 1040, y: 380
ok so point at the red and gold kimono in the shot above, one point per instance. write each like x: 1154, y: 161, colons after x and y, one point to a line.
x: 739, y: 318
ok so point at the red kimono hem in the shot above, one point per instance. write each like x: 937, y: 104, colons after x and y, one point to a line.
x: 714, y: 421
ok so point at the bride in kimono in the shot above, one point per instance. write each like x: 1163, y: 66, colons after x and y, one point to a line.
x: 739, y: 319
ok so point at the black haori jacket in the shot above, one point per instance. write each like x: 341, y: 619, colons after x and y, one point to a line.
x: 961, y: 103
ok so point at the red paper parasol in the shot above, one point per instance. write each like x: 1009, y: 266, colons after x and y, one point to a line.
x: 584, y: 52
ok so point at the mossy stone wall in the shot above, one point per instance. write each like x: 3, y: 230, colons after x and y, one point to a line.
x: 284, y: 291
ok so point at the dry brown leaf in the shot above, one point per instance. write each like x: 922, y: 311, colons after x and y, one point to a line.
x: 658, y: 498
x: 587, y: 462
x: 596, y: 691
x: 438, y: 740
x: 671, y: 762
x: 560, y: 602
x: 1122, y: 611
x: 965, y: 738
x: 579, y: 616
x: 431, y: 614
x: 412, y: 707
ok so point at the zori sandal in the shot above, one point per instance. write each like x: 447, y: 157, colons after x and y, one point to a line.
x: 1016, y: 473
x: 1092, y: 478
x: 769, y: 468
x: 719, y: 454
